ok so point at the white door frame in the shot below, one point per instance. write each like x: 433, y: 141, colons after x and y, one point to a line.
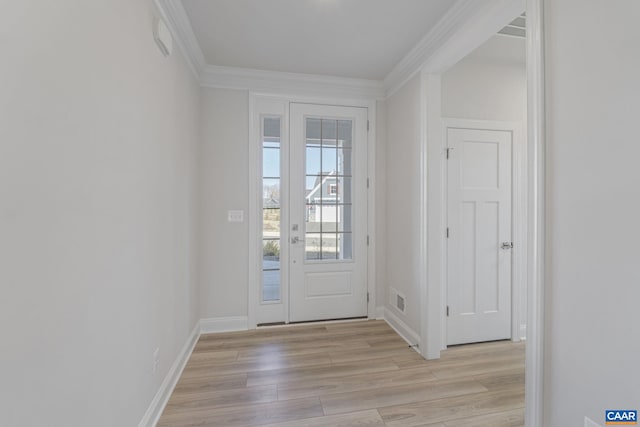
x: 519, y: 205
x: 432, y: 217
x: 534, y: 376
x: 254, y: 215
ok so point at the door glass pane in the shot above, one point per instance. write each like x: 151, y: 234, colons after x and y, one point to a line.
x: 313, y: 189
x: 271, y: 162
x: 329, y: 166
x: 329, y: 160
x: 331, y: 186
x: 345, y: 133
x: 344, y: 161
x: 345, y: 245
x: 313, y: 160
x: 329, y: 132
x: 313, y: 132
x: 329, y: 241
x: 270, y: 193
x: 344, y: 218
x: 271, y: 153
x: 344, y: 189
x: 312, y: 245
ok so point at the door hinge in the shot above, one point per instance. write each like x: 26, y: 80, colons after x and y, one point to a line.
x: 367, y: 182
x: 367, y: 240
x: 367, y: 297
x: 447, y: 232
x: 448, y: 152
x: 367, y: 125
x: 447, y: 311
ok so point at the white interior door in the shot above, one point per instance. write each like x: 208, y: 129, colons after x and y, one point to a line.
x: 328, y: 212
x: 479, y: 235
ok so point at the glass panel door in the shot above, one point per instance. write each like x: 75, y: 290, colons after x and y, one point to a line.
x: 328, y: 212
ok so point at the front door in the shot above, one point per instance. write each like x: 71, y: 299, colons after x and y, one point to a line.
x: 479, y: 235
x: 328, y: 212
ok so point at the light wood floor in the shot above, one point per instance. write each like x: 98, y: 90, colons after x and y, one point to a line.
x: 345, y: 374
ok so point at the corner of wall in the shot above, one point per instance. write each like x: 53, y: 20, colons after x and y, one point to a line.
x: 223, y: 324
x: 157, y: 405
x: 408, y: 334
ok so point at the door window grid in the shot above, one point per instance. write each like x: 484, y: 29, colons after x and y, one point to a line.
x: 271, y: 209
x: 328, y: 212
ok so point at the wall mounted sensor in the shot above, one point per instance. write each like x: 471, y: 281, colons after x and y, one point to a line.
x: 162, y: 36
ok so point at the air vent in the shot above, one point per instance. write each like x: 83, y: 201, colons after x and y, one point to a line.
x: 397, y: 300
x: 517, y: 27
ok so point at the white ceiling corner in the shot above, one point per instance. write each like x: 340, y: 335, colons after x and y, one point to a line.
x: 459, y: 13
x: 452, y: 22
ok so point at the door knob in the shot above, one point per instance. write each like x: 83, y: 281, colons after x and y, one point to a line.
x: 296, y: 239
x: 507, y: 245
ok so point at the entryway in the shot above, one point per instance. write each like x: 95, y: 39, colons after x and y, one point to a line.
x: 313, y: 231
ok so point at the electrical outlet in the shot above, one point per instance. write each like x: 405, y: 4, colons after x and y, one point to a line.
x: 588, y: 422
x: 156, y: 361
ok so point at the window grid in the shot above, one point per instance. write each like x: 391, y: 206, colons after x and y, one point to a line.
x: 333, y: 237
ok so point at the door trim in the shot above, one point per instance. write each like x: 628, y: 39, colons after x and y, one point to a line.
x: 518, y: 216
x: 534, y: 375
x: 254, y: 217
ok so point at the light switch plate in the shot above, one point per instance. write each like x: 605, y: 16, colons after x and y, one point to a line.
x: 235, y: 216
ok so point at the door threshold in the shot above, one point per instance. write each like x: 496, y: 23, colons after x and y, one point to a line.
x: 308, y: 322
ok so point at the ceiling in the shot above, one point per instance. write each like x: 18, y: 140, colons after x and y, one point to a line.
x: 347, y: 38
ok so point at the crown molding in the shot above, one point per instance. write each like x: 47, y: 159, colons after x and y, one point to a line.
x: 483, y: 24
x: 279, y: 82
x: 463, y: 28
x: 215, y: 76
x: 461, y: 12
x: 179, y: 24
x: 430, y: 54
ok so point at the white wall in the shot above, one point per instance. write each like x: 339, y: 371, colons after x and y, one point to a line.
x: 224, y: 163
x: 403, y: 200
x: 98, y: 145
x: 489, y: 84
x: 592, y: 292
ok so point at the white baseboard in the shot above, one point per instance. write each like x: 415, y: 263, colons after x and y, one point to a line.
x: 224, y: 324
x: 152, y: 416
x: 401, y: 328
x: 379, y: 314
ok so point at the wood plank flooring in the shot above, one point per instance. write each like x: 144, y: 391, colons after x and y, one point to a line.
x: 345, y: 375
